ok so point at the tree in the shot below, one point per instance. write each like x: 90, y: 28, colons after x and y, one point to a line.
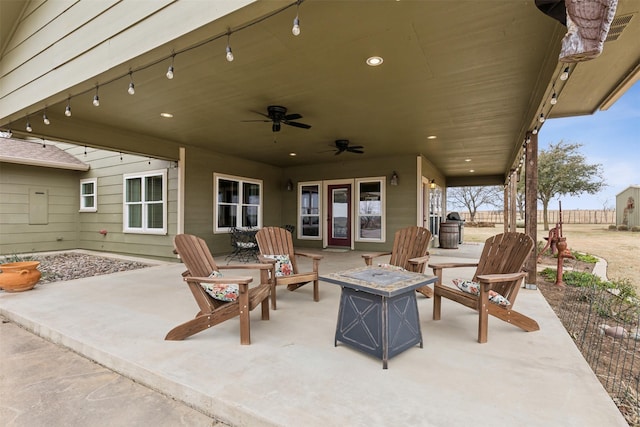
x: 562, y: 171
x: 472, y: 198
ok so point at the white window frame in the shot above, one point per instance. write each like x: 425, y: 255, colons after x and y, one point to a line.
x: 240, y: 180
x: 383, y: 203
x: 299, y: 212
x: 125, y: 204
x: 83, y: 206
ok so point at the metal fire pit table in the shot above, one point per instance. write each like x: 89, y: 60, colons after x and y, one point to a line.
x: 378, y: 311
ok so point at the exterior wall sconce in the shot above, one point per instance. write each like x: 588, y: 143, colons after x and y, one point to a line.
x: 394, y: 178
x: 432, y: 184
x: 289, y: 185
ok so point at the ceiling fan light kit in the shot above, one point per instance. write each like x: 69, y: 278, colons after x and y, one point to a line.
x: 277, y: 115
x: 342, y: 145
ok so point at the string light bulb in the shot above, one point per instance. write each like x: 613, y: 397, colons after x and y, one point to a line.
x: 96, y: 99
x: 565, y: 74
x: 131, y: 90
x: 170, y: 69
x: 229, y: 52
x: 67, y: 109
x: 554, y: 99
x: 535, y: 130
x: 296, y: 22
x: 28, y: 127
x: 541, y: 118
x: 45, y: 119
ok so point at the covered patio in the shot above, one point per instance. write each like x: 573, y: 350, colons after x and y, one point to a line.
x: 458, y: 91
x: 292, y: 374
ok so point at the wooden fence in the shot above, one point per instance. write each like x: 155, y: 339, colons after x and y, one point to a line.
x: 596, y: 216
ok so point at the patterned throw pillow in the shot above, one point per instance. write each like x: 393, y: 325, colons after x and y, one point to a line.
x: 473, y: 288
x: 391, y: 267
x: 221, y: 291
x: 283, y: 265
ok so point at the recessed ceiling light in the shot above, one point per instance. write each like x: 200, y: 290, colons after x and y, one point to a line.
x: 166, y: 115
x: 292, y: 154
x: 467, y: 160
x: 374, y: 61
x: 431, y: 137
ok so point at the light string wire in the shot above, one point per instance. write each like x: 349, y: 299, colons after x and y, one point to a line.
x: 175, y: 53
x: 556, y: 90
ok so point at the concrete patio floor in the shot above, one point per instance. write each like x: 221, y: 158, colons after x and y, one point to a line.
x: 293, y: 375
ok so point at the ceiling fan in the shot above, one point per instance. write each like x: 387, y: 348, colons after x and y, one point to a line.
x: 342, y: 145
x: 278, y: 115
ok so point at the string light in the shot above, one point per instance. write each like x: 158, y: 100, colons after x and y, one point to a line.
x: 131, y: 90
x: 229, y: 52
x: 541, y: 118
x: 170, y: 69
x: 96, y: 99
x: 296, y: 22
x: 28, y: 127
x: 565, y: 74
x: 535, y: 130
x: 45, y: 119
x: 554, y: 99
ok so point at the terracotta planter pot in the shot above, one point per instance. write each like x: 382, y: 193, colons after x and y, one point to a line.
x: 19, y: 276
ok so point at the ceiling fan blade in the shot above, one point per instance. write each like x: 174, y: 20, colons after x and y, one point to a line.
x: 356, y: 147
x: 339, y: 152
x: 297, y: 124
x: 294, y: 116
x: 257, y: 120
x: 262, y: 114
x: 353, y: 150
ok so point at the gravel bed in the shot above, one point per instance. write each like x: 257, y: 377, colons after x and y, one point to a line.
x: 69, y: 266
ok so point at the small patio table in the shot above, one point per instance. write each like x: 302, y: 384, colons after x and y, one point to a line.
x: 378, y: 311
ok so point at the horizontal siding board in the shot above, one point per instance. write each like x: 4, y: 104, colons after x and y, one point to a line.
x: 28, y: 248
x: 37, y: 16
x: 67, y: 36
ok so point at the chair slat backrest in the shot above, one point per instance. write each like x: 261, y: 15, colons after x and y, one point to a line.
x: 276, y: 241
x: 195, y: 255
x: 505, y: 253
x: 410, y: 242
x: 197, y: 258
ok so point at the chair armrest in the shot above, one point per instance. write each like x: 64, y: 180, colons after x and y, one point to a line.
x: 240, y: 280
x: 498, y: 278
x: 266, y: 260
x: 437, y: 268
x: 369, y: 257
x: 309, y: 255
x: 420, y: 259
x: 440, y: 266
x: 254, y: 266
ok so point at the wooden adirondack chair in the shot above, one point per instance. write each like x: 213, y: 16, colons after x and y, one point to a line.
x: 278, y: 241
x: 196, y: 256
x: 410, y: 251
x: 500, y: 268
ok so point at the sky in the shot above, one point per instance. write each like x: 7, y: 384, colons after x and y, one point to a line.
x: 610, y: 138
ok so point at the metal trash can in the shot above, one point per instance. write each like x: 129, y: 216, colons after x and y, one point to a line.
x: 455, y: 217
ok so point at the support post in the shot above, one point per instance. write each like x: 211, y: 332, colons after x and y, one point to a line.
x: 512, y: 201
x: 531, y: 206
x: 505, y: 211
